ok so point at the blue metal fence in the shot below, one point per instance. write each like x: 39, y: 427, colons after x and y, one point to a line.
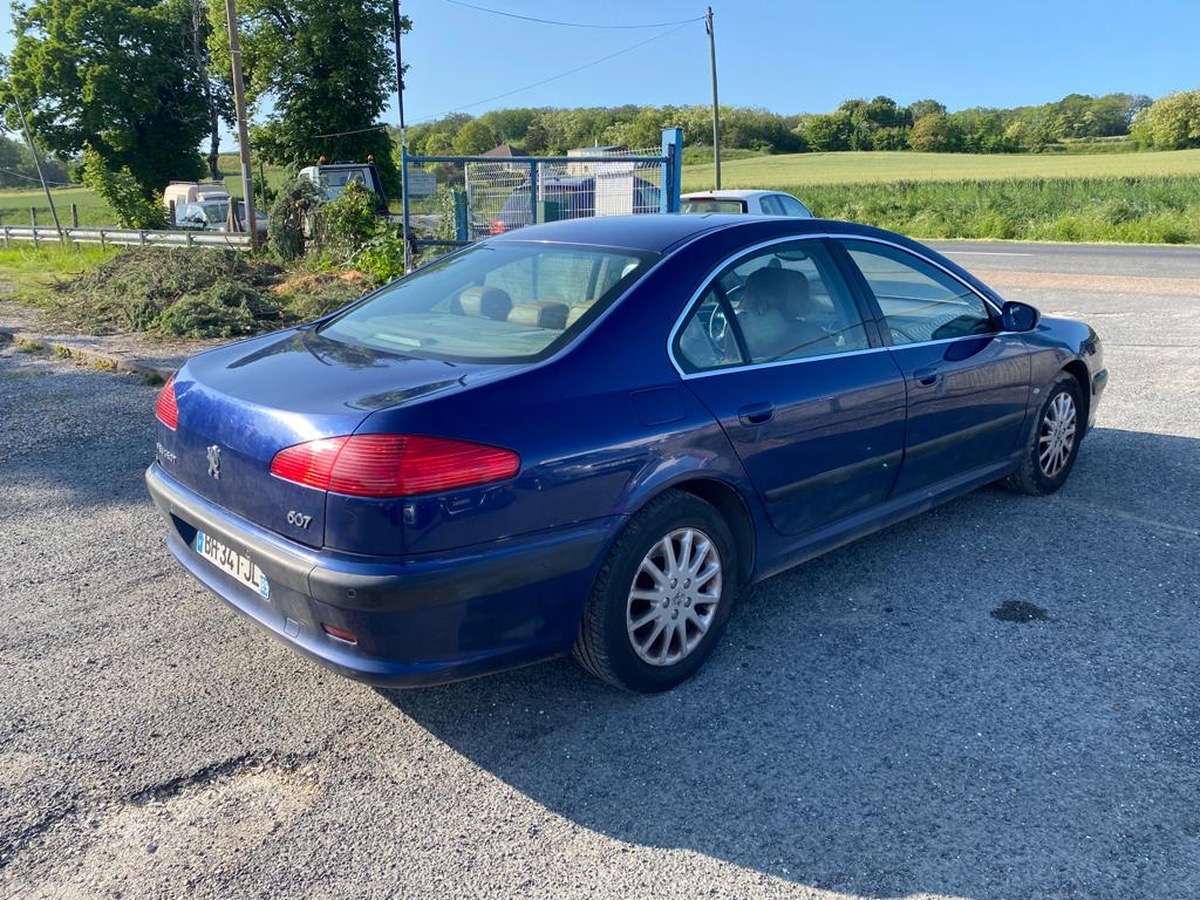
x: 496, y: 194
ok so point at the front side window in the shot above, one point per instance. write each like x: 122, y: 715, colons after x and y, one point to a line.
x: 919, y: 301
x: 783, y: 302
x: 511, y: 302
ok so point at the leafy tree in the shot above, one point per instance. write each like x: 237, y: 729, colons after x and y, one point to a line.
x: 474, y: 138
x: 932, y: 133
x: 115, y: 76
x: 326, y: 68
x: 826, y: 133
x: 1171, y: 123
x: 121, y: 191
x: 922, y: 108
x: 217, y: 92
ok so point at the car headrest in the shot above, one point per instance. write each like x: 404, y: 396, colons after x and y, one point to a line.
x: 483, y: 302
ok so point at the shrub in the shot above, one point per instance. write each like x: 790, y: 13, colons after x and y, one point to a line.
x: 346, y: 224
x: 294, y: 203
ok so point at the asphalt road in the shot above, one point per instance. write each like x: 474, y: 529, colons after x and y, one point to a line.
x: 875, y: 723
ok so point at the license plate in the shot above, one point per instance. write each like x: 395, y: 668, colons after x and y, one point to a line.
x: 233, y: 563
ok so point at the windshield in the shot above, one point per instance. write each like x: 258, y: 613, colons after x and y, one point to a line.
x: 216, y: 211
x: 511, y: 302
x: 334, y: 182
x: 713, y: 205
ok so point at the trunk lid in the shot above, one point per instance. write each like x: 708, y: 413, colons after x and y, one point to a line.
x: 240, y: 405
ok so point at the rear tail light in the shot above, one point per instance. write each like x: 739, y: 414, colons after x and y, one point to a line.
x: 165, y: 409
x: 393, y: 465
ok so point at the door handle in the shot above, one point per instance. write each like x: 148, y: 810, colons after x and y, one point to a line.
x: 927, y: 377
x: 756, y: 413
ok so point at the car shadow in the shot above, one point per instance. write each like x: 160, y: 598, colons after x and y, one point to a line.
x: 878, y: 722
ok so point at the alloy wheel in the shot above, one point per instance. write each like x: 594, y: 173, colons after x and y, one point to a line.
x: 1056, y: 439
x: 674, y: 596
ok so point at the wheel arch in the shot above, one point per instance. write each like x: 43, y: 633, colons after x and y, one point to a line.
x: 1079, y: 371
x: 729, y: 504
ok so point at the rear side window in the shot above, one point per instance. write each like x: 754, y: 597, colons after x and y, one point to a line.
x: 511, y: 302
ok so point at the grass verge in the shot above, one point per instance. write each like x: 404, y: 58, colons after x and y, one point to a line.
x: 33, y: 275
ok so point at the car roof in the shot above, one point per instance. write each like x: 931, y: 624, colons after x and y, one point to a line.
x: 731, y: 194
x: 657, y: 233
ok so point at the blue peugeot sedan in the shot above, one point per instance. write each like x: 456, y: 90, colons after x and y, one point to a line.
x: 584, y: 437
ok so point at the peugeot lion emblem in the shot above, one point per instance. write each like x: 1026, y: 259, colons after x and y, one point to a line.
x: 214, y: 461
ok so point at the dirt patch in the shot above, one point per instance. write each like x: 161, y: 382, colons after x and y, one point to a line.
x: 198, y: 830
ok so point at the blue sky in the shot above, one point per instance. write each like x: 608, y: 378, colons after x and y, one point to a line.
x: 790, y: 56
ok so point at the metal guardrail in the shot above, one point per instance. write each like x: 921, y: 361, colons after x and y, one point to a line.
x: 125, y: 236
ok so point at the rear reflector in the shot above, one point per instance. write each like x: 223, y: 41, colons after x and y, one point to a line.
x: 165, y: 409
x: 393, y: 465
x: 340, y: 633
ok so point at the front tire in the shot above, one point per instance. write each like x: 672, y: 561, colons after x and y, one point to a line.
x: 1053, y: 443
x: 661, y: 598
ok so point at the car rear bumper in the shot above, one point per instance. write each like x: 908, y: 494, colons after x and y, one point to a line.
x: 416, y: 621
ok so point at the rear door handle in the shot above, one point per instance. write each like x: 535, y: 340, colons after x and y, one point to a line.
x: 756, y: 413
x: 927, y: 377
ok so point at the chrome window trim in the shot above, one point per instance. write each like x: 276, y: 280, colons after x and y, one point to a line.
x: 776, y: 363
x: 824, y: 235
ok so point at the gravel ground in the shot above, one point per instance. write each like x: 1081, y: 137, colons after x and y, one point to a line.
x: 996, y: 699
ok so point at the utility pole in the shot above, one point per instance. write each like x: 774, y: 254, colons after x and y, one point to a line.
x: 712, y: 58
x: 239, y: 105
x: 404, y: 235
x: 38, y: 163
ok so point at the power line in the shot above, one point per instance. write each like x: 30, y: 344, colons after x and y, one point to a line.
x: 16, y: 174
x: 343, y: 133
x: 497, y: 12
x: 588, y: 65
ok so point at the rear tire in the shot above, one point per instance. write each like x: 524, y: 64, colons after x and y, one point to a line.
x: 1053, y: 443
x: 661, y: 598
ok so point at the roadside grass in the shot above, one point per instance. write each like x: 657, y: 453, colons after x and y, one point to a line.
x: 35, y: 274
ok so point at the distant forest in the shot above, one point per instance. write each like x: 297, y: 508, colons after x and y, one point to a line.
x: 878, y: 124
x: 17, y: 168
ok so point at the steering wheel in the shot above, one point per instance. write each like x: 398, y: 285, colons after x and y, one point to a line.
x: 718, y: 326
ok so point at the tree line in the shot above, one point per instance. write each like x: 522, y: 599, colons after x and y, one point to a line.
x: 857, y: 124
x: 129, y: 90
x: 18, y: 170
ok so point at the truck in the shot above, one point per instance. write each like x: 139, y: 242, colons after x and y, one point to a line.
x: 333, y: 178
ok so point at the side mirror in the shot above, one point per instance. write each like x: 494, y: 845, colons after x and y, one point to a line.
x: 1019, y: 316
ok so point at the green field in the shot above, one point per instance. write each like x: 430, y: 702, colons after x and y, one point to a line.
x: 1124, y: 197
x: 778, y: 172
x: 15, y: 204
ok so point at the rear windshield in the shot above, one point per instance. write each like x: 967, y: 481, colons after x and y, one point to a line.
x: 713, y: 205
x: 510, y: 302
